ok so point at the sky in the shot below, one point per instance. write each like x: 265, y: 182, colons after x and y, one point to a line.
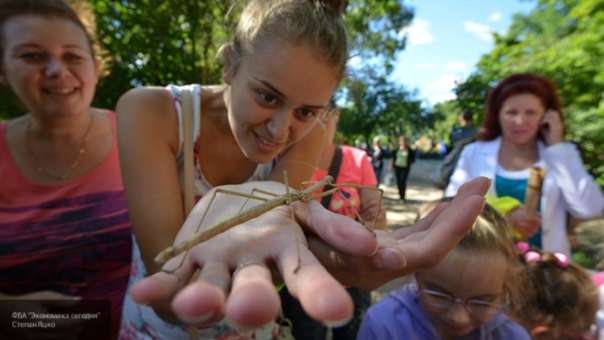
x: 447, y: 38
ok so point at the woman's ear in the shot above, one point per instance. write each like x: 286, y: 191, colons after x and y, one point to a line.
x: 230, y: 61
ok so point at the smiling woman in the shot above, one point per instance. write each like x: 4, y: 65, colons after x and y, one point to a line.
x: 280, y: 72
x: 64, y: 230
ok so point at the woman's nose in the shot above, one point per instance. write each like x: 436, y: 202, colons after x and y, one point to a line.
x: 279, y: 125
x: 54, y: 67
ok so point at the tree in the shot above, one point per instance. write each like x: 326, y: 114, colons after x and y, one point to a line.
x: 161, y: 42
x: 560, y: 39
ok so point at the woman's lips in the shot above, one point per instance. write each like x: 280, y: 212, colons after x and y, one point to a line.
x: 267, y: 145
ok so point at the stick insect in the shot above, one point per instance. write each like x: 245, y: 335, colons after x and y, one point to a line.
x: 290, y: 196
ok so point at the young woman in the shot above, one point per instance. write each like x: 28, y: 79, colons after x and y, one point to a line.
x: 64, y: 229
x: 280, y: 72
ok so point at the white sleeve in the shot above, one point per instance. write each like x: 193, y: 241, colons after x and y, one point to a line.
x: 582, y: 195
x: 461, y: 174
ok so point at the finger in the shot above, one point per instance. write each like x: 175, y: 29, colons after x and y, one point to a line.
x: 477, y: 186
x: 322, y: 297
x: 341, y: 232
x: 159, y: 288
x: 253, y: 301
x: 422, y: 224
x: 216, y: 274
x: 202, y: 302
x: 426, y: 248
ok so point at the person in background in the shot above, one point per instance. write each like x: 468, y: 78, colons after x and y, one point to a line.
x: 463, y: 296
x: 377, y: 154
x: 404, y: 156
x: 464, y: 130
x: 560, y: 301
x: 64, y: 229
x: 524, y: 127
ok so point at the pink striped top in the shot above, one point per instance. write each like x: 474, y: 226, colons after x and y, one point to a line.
x: 72, y: 238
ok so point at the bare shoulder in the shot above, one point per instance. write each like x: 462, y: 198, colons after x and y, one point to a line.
x: 212, y: 96
x: 146, y: 102
x: 148, y: 111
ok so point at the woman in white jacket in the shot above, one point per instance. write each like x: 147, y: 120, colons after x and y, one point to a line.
x: 524, y: 126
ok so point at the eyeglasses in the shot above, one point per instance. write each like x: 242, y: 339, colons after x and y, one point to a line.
x: 478, y: 309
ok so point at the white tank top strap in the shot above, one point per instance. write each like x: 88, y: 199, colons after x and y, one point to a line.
x: 176, y: 91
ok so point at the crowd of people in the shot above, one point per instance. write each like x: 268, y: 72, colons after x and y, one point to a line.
x: 92, y: 196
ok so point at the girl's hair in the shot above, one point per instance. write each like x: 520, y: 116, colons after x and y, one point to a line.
x: 519, y: 83
x: 491, y: 233
x: 78, y: 12
x: 560, y: 296
x: 317, y: 23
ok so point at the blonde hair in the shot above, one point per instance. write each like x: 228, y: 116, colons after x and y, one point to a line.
x: 317, y: 23
x: 492, y: 233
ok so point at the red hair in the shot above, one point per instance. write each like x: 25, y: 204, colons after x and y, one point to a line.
x: 518, y: 83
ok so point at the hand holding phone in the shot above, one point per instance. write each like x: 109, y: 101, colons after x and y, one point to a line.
x: 552, y: 129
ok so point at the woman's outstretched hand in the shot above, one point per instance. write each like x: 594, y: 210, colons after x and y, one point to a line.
x: 237, y: 268
x: 410, y: 248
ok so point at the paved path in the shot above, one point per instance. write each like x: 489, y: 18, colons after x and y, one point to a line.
x: 419, y: 190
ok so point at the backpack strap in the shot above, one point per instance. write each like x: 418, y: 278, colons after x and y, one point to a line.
x: 334, y: 169
x: 189, y: 180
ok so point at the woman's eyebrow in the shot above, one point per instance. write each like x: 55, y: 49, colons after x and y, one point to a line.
x: 279, y: 93
x: 270, y: 86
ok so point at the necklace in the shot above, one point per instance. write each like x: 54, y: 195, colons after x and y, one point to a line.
x: 72, y: 166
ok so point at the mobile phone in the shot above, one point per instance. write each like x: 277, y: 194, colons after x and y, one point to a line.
x: 543, y: 127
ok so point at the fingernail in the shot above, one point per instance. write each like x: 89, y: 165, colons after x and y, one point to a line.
x: 335, y: 323
x: 195, y: 320
x: 391, y: 258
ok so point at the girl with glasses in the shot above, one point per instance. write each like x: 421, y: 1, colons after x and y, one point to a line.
x: 462, y: 296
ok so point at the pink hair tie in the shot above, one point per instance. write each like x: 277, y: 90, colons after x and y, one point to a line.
x: 522, y: 247
x: 532, y: 256
x: 562, y: 260
x: 535, y: 255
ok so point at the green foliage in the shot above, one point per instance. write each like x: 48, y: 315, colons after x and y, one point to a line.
x: 157, y: 42
x: 375, y: 105
x: 561, y: 39
x: 445, y: 114
x: 160, y: 42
